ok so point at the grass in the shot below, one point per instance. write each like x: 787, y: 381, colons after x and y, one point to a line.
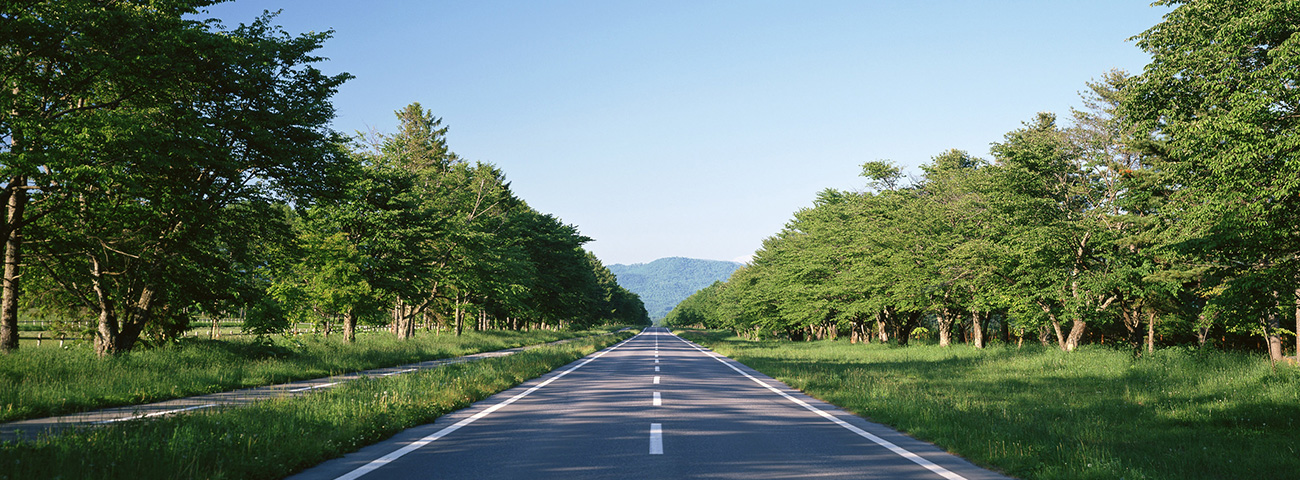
x: 42, y: 382
x: 1040, y: 413
x: 276, y: 438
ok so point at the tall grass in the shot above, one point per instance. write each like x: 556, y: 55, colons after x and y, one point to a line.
x: 275, y: 438
x: 1044, y: 414
x: 44, y: 382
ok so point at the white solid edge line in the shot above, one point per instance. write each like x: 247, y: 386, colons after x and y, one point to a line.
x: 313, y: 387
x: 900, y: 451
x: 155, y: 414
x: 656, y: 439
x: 413, y: 446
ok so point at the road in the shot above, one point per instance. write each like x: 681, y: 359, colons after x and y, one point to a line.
x: 654, y: 406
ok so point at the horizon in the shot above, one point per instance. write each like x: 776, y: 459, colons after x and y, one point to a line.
x: 679, y: 256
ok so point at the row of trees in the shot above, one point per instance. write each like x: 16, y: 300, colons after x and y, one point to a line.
x: 420, y: 237
x: 155, y: 167
x: 1168, y: 209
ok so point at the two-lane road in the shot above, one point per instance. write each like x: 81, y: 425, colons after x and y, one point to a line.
x: 654, y: 406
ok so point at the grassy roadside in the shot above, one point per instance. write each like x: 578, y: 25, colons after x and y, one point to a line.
x: 43, y: 382
x: 1044, y: 414
x: 275, y: 438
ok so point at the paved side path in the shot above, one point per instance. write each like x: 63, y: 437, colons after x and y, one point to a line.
x: 652, y: 407
x: 33, y: 428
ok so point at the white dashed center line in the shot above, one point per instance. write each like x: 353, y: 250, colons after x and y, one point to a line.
x: 658, y: 401
x: 656, y: 439
x: 656, y: 379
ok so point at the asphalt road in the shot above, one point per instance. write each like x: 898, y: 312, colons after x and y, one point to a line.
x: 654, y: 406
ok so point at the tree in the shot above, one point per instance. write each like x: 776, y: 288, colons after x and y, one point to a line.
x: 1220, y: 103
x: 246, y: 123
x: 962, y: 250
x: 1057, y: 206
x: 615, y: 303
x: 699, y: 310
x: 60, y: 73
x: 359, y: 252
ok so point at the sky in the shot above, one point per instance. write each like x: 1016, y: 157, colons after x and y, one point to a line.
x: 697, y: 128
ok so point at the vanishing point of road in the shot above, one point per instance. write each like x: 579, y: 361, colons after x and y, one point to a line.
x: 652, y: 407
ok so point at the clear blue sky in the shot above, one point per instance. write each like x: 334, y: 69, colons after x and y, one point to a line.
x: 697, y: 128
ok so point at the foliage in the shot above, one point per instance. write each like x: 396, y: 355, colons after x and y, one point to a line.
x: 1221, y: 111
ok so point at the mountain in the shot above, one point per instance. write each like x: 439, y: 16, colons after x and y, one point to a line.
x: 665, y: 282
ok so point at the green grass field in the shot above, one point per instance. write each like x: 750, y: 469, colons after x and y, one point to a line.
x: 1044, y: 414
x: 276, y: 438
x: 39, y: 382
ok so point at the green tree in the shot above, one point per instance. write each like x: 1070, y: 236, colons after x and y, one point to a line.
x: 615, y: 303
x: 1220, y: 102
x: 1057, y: 206
x: 247, y: 124
x: 359, y: 252
x: 61, y: 72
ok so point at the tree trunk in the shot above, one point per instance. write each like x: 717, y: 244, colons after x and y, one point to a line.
x: 1270, y: 330
x: 1297, y: 325
x: 858, y: 332
x: 107, y: 327
x: 138, y: 315
x: 460, y: 318
x: 1203, y: 327
x: 350, y: 326
x: 1151, y: 332
x: 12, y: 244
x: 944, y: 323
x: 403, y: 320
x: 880, y: 328
x: 106, y: 333
x: 1076, y: 335
x: 976, y: 329
x: 1056, y: 326
x: 1132, y: 321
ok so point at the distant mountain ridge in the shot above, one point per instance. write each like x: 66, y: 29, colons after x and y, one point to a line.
x: 665, y: 282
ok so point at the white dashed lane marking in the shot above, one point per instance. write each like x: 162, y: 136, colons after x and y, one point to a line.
x: 656, y: 439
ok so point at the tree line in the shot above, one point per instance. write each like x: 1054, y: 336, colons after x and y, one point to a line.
x: 1166, y: 211
x: 157, y: 167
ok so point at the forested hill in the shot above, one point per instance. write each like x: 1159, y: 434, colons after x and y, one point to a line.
x: 665, y: 282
